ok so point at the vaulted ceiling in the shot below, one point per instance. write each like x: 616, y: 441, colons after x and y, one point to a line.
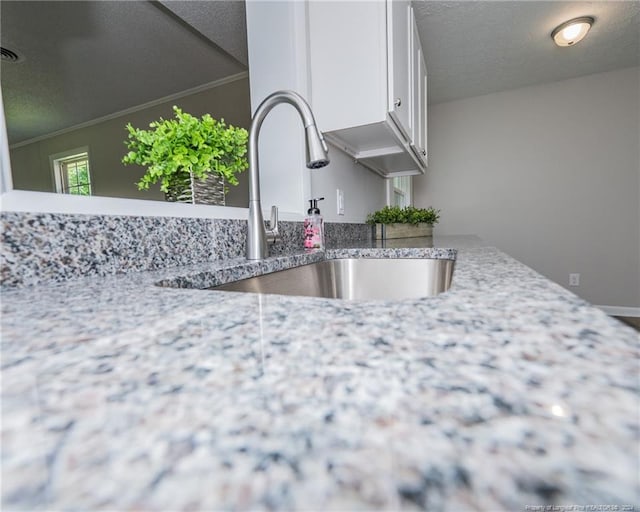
x: 85, y: 59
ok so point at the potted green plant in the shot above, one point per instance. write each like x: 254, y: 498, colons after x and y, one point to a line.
x: 191, y: 158
x: 396, y: 222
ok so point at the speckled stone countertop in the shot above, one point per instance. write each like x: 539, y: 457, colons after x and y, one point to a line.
x: 505, y: 393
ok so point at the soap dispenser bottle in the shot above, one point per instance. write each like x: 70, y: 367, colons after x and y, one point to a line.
x: 314, y: 226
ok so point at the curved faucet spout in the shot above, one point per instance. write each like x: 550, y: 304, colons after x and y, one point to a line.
x: 317, y: 157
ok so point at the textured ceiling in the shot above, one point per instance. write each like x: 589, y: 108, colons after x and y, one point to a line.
x: 478, y: 47
x: 228, y: 28
x: 84, y: 60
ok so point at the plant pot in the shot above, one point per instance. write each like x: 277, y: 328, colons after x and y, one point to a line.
x: 388, y: 231
x: 187, y: 189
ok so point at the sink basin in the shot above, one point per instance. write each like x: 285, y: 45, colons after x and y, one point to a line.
x: 354, y: 278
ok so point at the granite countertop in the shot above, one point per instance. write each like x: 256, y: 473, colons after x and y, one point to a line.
x: 505, y: 393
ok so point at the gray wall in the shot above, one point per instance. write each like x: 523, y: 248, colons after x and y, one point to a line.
x: 30, y: 163
x: 549, y: 174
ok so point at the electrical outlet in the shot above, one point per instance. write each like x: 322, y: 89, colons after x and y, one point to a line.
x: 574, y: 279
x: 340, y: 201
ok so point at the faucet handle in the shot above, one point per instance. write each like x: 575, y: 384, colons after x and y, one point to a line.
x: 273, y: 235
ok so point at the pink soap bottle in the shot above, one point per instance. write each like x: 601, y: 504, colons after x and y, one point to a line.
x: 314, y: 226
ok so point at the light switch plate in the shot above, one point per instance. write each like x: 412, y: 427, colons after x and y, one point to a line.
x: 340, y: 201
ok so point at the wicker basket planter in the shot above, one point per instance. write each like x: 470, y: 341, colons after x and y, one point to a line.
x: 192, y: 158
x: 403, y: 222
x: 187, y: 189
x: 388, y: 231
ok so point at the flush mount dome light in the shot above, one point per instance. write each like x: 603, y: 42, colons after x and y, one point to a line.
x: 572, y: 31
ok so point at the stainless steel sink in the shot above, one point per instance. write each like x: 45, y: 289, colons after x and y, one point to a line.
x: 354, y: 278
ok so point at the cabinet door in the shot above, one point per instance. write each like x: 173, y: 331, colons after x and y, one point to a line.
x: 415, y: 82
x: 424, y: 151
x: 399, y: 64
x: 347, y: 63
x: 419, y: 90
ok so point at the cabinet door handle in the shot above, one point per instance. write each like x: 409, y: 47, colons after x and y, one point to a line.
x: 398, y: 102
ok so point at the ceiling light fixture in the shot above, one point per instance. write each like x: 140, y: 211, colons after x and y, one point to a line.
x: 572, y: 31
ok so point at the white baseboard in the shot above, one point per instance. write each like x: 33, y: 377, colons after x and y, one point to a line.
x: 620, y: 311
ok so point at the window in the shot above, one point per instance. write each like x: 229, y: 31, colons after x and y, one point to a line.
x: 401, y: 191
x: 71, y: 172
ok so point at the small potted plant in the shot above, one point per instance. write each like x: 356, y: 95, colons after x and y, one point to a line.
x: 191, y: 158
x: 396, y: 222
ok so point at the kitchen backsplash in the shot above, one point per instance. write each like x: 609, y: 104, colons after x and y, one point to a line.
x: 39, y: 247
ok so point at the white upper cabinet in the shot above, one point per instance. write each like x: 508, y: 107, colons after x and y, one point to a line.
x: 368, y: 82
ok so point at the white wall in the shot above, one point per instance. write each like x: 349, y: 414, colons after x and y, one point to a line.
x: 364, y: 191
x: 550, y: 174
x: 278, y: 59
x: 275, y: 41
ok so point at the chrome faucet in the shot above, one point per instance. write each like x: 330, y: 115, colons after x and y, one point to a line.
x: 257, y: 234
